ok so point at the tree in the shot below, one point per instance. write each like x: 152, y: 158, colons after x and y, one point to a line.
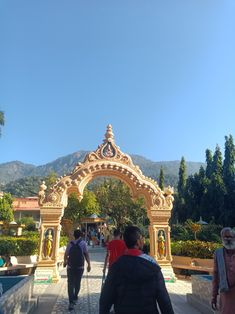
x: 217, y: 163
x: 6, y: 208
x: 182, y: 177
x: 179, y: 212
x: 24, y: 187
x: 76, y: 209
x: 117, y: 205
x: 209, y: 161
x: 2, y: 120
x: 194, y: 195
x: 50, y: 180
x: 229, y: 180
x: 229, y: 163
x: 161, y: 179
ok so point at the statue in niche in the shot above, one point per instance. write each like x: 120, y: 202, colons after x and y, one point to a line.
x: 161, y: 244
x: 108, y: 151
x: 48, y: 243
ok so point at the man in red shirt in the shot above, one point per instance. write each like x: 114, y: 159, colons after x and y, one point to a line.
x: 115, y: 249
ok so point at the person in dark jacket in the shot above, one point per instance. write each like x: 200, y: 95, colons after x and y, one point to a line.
x: 135, y: 284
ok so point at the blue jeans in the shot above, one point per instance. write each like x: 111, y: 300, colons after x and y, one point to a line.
x: 74, y: 282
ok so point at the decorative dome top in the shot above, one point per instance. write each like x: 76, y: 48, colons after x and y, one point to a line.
x: 109, y: 137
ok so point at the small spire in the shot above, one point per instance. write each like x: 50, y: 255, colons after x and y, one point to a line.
x: 109, y: 137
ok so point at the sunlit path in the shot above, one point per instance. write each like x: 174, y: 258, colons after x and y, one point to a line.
x: 53, y: 298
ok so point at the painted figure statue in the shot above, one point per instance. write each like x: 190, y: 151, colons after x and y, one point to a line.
x: 161, y: 245
x: 48, y: 244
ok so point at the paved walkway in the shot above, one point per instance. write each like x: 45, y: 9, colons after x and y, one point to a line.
x: 53, y: 298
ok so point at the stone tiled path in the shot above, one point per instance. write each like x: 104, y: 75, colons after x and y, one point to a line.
x: 53, y: 298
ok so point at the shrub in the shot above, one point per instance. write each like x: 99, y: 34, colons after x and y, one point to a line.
x: 28, y: 222
x: 63, y: 241
x: 197, y: 249
x: 18, y: 246
x: 26, y: 245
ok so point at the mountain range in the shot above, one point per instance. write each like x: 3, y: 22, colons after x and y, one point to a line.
x: 15, y: 170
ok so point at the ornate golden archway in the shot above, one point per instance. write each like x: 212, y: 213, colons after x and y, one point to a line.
x: 107, y: 160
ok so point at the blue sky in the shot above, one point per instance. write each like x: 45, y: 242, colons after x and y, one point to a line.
x: 161, y: 72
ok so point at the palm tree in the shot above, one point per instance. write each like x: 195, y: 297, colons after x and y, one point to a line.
x: 1, y: 120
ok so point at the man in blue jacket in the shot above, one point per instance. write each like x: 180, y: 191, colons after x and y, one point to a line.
x: 135, y: 284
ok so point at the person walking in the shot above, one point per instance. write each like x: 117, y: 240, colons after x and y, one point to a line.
x: 75, y: 253
x: 135, y: 284
x: 223, y: 282
x: 115, y: 249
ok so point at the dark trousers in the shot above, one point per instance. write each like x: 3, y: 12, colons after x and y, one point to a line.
x: 74, y: 283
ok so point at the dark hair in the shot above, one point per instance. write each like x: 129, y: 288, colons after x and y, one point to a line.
x: 131, y: 235
x: 116, y: 232
x: 77, y: 233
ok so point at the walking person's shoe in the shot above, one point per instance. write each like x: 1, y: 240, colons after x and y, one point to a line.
x: 71, y: 307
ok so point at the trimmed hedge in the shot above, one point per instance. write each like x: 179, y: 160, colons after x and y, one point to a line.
x: 23, y: 246
x: 18, y: 246
x: 197, y: 249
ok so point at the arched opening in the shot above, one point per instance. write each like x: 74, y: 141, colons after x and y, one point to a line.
x: 107, y: 161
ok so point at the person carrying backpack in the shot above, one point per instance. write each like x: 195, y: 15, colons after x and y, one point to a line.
x: 74, y: 256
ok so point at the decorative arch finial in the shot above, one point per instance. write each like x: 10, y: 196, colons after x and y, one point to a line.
x: 109, y: 137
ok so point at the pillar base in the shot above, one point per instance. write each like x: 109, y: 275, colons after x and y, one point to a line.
x: 46, y: 273
x: 168, y: 273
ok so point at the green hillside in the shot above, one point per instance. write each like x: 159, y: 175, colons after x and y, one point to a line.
x: 23, y: 179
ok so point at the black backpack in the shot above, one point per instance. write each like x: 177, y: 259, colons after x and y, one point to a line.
x: 76, y: 257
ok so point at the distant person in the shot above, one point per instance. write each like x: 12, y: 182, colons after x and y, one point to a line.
x: 2, y: 261
x: 115, y: 249
x: 74, y: 256
x: 135, y: 284
x: 223, y: 282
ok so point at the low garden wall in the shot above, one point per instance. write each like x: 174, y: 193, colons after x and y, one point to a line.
x: 17, y: 295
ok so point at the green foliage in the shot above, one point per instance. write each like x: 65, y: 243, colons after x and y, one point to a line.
x: 182, y: 178
x: 180, y: 232
x: 209, y: 193
x: 18, y: 246
x: 161, y: 179
x: 26, y: 245
x: 197, y: 249
x: 28, y: 222
x: 184, y: 232
x: 50, y: 180
x: 6, y: 211
x: 23, y: 187
x: 63, y: 241
x: 77, y: 210
x: 117, y: 205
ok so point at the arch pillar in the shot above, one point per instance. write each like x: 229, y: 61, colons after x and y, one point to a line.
x: 159, y: 231
x: 49, y: 243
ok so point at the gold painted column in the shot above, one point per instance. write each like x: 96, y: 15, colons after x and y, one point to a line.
x: 160, y: 243
x: 49, y: 243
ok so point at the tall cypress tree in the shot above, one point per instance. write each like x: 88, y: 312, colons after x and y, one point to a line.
x: 182, y: 178
x: 229, y: 181
x: 179, y: 211
x: 217, y: 163
x: 161, y: 179
x: 209, y: 161
x: 216, y: 188
x: 229, y: 163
